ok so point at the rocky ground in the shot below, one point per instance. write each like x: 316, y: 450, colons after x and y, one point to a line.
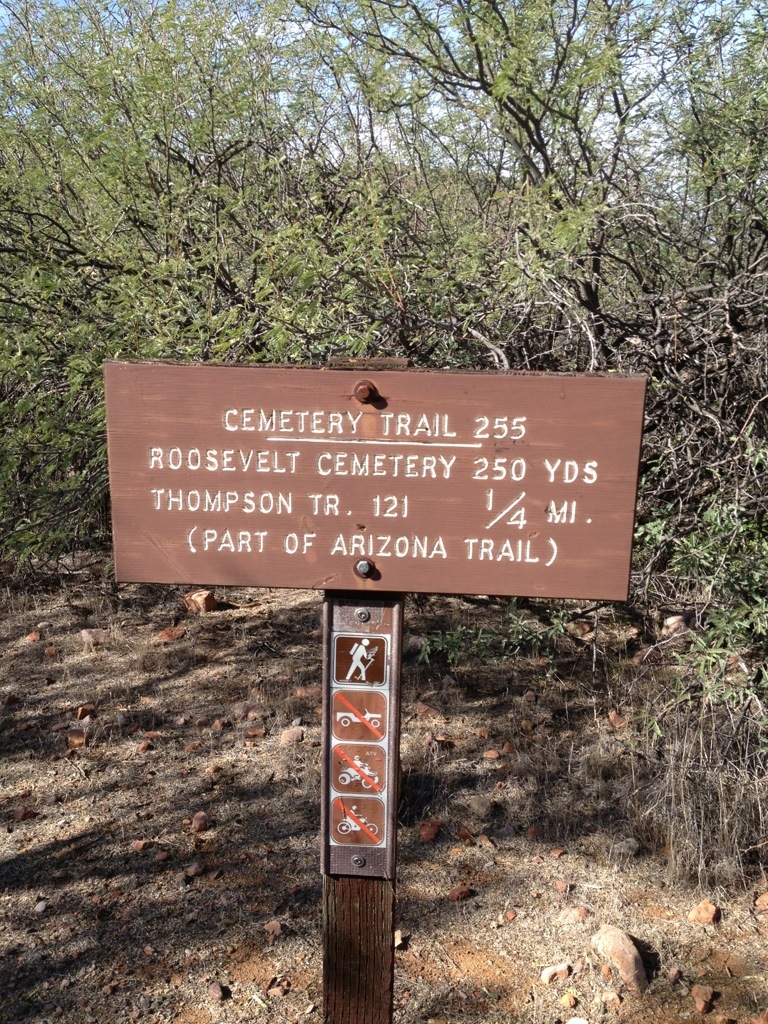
x: 159, y: 853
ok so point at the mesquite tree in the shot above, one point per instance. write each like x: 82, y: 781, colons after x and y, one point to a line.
x: 516, y: 183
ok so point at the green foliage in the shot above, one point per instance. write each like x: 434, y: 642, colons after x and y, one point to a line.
x: 520, y: 631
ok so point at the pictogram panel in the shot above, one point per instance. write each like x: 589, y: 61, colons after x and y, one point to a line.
x: 358, y: 768
x: 360, y: 660
x: 358, y: 820
x: 359, y: 715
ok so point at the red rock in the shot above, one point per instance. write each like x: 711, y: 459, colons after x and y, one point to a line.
x: 33, y: 637
x: 532, y: 832
x: 617, y: 721
x: 194, y: 870
x: 429, y: 830
x: 310, y: 692
x: 144, y: 746
x: 254, y: 732
x: 466, y: 837
x: 426, y: 710
x: 86, y: 711
x: 562, y: 886
x: 221, y: 724
x: 675, y: 975
x: 93, y: 637
x: 491, y: 755
x: 199, y: 602
x: 619, y: 949
x: 704, y: 913
x: 482, y: 733
x: 23, y: 814
x: 200, y: 821
x: 557, y: 973
x: 702, y: 997
x: 140, y: 845
x: 171, y: 634
x: 557, y: 852
x: 216, y: 991
x: 76, y: 738
x: 274, y: 930
x: 192, y: 748
x: 761, y: 906
x: 290, y: 736
x: 575, y: 915
x: 459, y: 892
x: 568, y: 1000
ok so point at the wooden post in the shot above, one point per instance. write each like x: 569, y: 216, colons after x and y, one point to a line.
x: 361, y: 709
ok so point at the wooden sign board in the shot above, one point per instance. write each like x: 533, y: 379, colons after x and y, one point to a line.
x: 409, y: 482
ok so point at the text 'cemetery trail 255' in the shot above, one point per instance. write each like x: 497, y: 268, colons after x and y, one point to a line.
x: 407, y: 481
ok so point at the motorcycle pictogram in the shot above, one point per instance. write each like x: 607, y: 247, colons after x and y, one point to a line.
x: 353, y: 822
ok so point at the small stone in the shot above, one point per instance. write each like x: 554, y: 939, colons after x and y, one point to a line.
x: 761, y: 906
x: 33, y: 637
x: 575, y: 915
x: 626, y: 848
x: 619, y: 949
x: 86, y: 711
x: 194, y: 870
x: 704, y: 913
x: 291, y: 736
x: 200, y: 821
x: 510, y: 915
x: 41, y: 906
x: 702, y: 998
x: 675, y: 975
x: 459, y: 892
x: 76, y: 738
x: 617, y: 721
x: 429, y: 830
x: 23, y: 813
x: 479, y: 806
x: 563, y: 887
x: 556, y: 973
x: 491, y: 755
x: 171, y: 634
x: 198, y: 602
x: 568, y: 1000
x: 217, y: 992
x: 93, y: 638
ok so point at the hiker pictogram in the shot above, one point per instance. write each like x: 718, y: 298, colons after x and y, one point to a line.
x: 359, y: 821
x: 360, y: 660
x: 359, y: 716
x: 358, y: 768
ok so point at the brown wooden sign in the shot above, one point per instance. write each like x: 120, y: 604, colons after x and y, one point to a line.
x: 414, y: 481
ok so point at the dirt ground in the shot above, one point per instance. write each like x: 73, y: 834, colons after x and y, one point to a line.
x: 115, y: 906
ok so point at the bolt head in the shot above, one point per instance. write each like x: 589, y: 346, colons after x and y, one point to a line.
x: 365, y: 391
x: 358, y: 861
x: 364, y: 567
x: 362, y: 615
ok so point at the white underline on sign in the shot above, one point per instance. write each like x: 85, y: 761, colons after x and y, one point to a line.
x: 379, y: 441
